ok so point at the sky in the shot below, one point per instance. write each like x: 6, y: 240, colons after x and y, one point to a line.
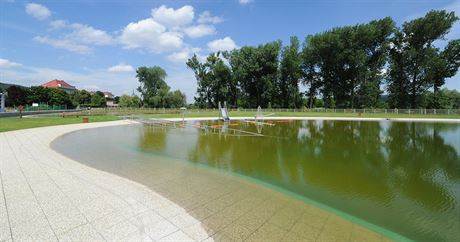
x: 97, y: 45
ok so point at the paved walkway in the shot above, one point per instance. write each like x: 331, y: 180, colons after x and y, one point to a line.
x: 45, y: 196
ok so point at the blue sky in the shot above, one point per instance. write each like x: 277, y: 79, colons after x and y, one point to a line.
x: 97, y: 45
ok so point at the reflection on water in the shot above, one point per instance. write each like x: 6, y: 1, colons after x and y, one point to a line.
x: 402, y: 176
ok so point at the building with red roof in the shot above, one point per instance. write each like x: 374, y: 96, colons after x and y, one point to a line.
x: 61, y: 84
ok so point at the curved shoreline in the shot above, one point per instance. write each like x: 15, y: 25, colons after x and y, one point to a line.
x: 31, y: 146
x: 355, y: 220
x: 46, y: 196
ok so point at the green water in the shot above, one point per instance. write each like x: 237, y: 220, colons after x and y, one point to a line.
x: 402, y: 176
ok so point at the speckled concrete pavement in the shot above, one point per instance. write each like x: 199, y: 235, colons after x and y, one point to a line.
x: 45, y: 196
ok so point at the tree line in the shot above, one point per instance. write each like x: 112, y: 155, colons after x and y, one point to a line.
x: 19, y: 95
x: 155, y: 93
x: 371, y: 65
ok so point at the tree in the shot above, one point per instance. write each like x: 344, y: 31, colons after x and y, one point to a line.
x: 16, y: 96
x: 129, y: 101
x: 346, y: 63
x: 59, y: 97
x: 290, y: 75
x: 116, y: 99
x: 203, y: 94
x: 80, y: 97
x: 154, y: 90
x: 415, y: 64
x: 176, y: 99
x: 214, y: 79
x: 443, y: 99
x: 152, y: 80
x: 98, y: 100
x: 256, y: 70
x: 38, y: 94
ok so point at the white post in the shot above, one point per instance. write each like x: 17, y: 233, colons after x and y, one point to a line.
x: 2, y: 102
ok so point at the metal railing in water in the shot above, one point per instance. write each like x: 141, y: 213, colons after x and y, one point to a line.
x: 221, y: 129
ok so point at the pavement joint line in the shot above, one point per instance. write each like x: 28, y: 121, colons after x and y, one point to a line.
x: 322, y: 228
x: 265, y: 222
x: 30, y: 187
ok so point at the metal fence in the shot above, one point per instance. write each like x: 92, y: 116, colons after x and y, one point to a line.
x: 126, y: 111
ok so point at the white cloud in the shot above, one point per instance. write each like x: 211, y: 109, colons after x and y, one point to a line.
x: 181, y: 57
x: 64, y: 44
x: 171, y: 17
x: 57, y: 24
x: 5, y: 63
x: 201, y: 30
x: 222, y: 44
x: 244, y: 2
x: 178, y: 57
x: 151, y: 35
x: 38, y: 11
x: 206, y: 17
x: 121, y: 68
x: 88, y: 35
x: 78, y: 40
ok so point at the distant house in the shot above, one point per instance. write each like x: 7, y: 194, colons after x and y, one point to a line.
x: 108, y: 95
x: 108, y: 98
x: 111, y: 103
x: 60, y: 84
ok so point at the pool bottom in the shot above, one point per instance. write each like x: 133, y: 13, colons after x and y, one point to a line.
x: 230, y: 206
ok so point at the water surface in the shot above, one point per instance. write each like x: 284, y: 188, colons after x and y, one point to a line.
x: 402, y: 176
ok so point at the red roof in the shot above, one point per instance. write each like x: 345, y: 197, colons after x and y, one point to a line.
x: 58, y: 84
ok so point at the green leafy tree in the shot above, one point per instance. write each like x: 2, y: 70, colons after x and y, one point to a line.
x: 176, y: 99
x: 16, y: 96
x: 346, y: 63
x: 152, y: 81
x: 154, y: 90
x: 203, y: 96
x: 129, y: 101
x: 214, y: 79
x: 98, y: 100
x: 290, y: 75
x: 256, y: 70
x: 59, y: 97
x: 415, y: 64
x: 311, y: 74
x: 443, y: 99
x: 38, y: 94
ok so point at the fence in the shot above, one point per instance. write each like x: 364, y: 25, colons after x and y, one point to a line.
x: 126, y: 111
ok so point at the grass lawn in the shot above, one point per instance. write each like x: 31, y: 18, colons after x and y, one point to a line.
x: 15, y: 123
x: 303, y: 114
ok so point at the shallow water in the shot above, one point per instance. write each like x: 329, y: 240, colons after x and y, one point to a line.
x: 402, y: 176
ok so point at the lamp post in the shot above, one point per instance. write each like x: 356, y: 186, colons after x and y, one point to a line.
x: 183, y: 109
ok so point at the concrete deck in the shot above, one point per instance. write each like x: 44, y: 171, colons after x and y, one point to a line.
x: 45, y: 196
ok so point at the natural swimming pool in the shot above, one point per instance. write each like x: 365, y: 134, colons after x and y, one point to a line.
x: 402, y: 176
